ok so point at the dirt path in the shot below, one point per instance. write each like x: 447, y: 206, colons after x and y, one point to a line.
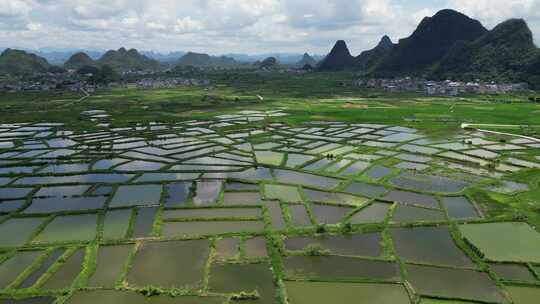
x: 86, y: 95
x: 465, y: 125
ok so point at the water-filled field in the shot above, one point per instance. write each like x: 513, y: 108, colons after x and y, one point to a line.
x: 243, y: 209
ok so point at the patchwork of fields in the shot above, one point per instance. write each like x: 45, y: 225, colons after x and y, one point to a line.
x: 245, y: 208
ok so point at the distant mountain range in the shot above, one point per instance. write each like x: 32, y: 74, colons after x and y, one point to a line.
x: 307, y: 60
x: 120, y: 60
x: 429, y: 43
x: 283, y: 58
x: 370, y: 57
x: 205, y: 60
x: 267, y: 63
x: 17, y: 62
x: 123, y: 59
x: 505, y: 53
x: 164, y: 57
x: 60, y: 57
x: 448, y: 45
x: 79, y: 60
x: 20, y: 62
x: 338, y: 59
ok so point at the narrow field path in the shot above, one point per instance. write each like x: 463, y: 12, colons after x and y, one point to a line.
x: 86, y: 95
x: 465, y: 126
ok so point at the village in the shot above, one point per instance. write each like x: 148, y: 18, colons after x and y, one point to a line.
x: 440, y: 88
x: 74, y: 82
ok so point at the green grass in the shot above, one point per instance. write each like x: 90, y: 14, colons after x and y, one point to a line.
x: 499, y: 241
x: 306, y: 98
x: 317, y: 96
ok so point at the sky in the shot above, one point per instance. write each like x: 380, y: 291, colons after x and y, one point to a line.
x: 233, y: 26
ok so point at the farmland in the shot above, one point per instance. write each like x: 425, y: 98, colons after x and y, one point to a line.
x: 311, y: 194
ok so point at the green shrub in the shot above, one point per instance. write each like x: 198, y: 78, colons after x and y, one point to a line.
x: 321, y: 228
x: 316, y: 250
x: 348, y: 227
x: 246, y: 296
x: 151, y: 291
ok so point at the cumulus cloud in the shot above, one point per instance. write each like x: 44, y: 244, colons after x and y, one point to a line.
x: 13, y: 14
x: 188, y: 25
x: 92, y: 9
x: 338, y: 14
x: 15, y: 8
x: 492, y: 12
x: 221, y: 26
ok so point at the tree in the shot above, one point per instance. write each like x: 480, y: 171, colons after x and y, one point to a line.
x: 56, y: 69
x: 88, y: 69
x: 105, y: 75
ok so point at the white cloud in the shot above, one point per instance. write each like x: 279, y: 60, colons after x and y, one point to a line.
x: 91, y: 24
x: 421, y: 14
x: 379, y: 8
x: 492, y: 12
x: 129, y: 21
x: 15, y: 8
x: 188, y: 25
x: 221, y: 26
x: 156, y: 26
x: 98, y: 9
x: 34, y: 26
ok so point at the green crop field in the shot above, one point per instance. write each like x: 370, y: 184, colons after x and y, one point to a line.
x: 307, y: 97
x: 316, y: 192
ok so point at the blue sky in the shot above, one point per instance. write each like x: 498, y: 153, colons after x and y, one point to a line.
x: 239, y: 26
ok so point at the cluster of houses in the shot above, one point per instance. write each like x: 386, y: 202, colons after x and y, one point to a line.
x: 75, y: 83
x: 454, y: 88
x: 440, y: 88
x: 160, y: 83
x: 43, y: 82
x: 42, y: 86
x: 27, y: 86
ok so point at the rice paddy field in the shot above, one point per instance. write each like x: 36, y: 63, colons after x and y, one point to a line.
x: 261, y: 206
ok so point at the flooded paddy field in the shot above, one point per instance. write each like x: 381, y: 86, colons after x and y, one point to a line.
x: 247, y: 208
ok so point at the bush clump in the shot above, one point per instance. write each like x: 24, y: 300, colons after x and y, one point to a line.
x: 246, y: 296
x: 316, y: 250
x: 151, y: 291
